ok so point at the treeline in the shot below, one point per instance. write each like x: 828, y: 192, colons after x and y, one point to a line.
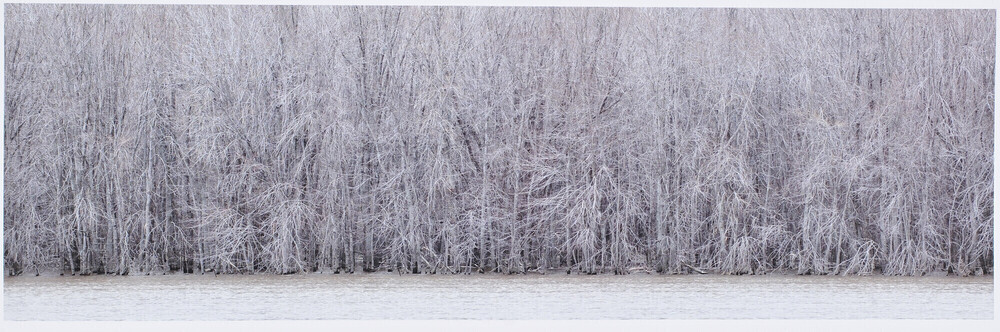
x: 283, y: 139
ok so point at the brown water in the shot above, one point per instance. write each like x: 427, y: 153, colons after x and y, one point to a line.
x: 386, y: 296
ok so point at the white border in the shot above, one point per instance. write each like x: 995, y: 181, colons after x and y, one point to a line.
x: 607, y: 325
x: 514, y: 326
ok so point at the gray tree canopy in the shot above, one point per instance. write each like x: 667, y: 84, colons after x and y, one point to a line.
x: 283, y: 139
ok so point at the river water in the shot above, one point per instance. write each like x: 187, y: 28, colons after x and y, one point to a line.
x: 389, y: 296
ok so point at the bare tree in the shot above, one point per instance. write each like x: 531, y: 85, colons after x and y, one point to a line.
x: 284, y: 139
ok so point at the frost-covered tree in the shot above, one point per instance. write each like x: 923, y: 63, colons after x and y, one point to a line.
x: 283, y: 139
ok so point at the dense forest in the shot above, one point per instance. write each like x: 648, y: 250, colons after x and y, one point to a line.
x: 284, y: 139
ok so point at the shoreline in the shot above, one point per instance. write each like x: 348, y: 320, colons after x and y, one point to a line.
x: 550, y: 273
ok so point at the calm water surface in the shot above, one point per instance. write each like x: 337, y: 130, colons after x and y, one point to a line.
x: 387, y: 296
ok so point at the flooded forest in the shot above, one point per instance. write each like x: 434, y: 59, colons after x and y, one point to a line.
x: 449, y: 140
